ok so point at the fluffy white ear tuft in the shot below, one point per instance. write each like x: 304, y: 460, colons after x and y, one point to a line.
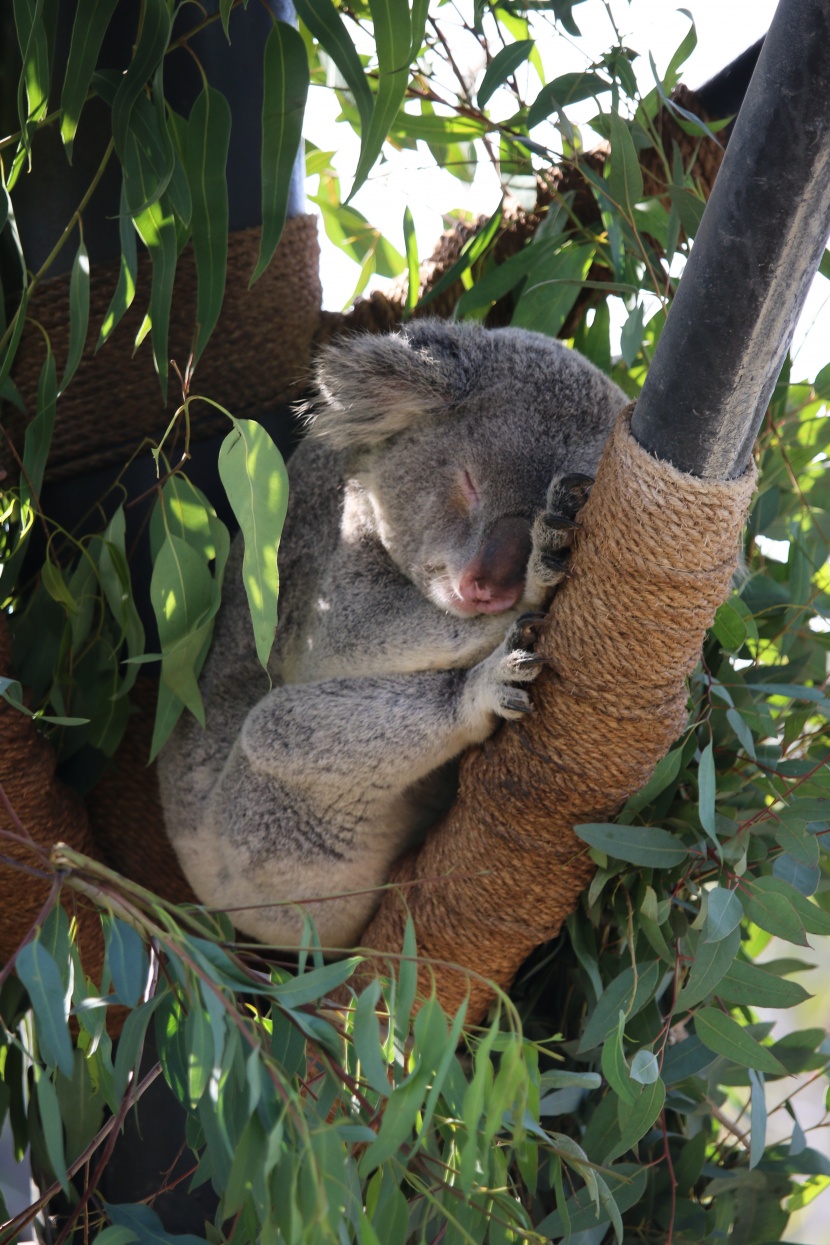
x: 371, y: 387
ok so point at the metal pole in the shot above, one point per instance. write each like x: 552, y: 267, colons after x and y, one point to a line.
x: 755, y: 254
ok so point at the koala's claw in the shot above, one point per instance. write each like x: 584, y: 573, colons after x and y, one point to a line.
x: 525, y: 630
x: 556, y: 562
x: 559, y: 522
x: 515, y: 705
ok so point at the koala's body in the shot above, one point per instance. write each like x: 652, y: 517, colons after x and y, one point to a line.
x: 429, y: 508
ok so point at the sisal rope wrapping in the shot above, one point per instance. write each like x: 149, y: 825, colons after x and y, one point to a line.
x: 260, y: 354
x: 48, y: 812
x: 653, y: 560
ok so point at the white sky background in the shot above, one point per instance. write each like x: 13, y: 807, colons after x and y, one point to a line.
x: 409, y: 178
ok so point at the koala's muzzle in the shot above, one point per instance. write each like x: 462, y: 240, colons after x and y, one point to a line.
x: 494, y: 580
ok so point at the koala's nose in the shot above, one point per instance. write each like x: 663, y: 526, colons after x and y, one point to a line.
x: 493, y: 580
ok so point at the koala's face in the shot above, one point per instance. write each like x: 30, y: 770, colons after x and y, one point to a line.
x: 455, y: 434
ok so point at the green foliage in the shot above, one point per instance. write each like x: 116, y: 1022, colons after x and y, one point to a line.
x: 648, y: 1119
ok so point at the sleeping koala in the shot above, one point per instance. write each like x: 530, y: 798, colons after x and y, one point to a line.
x: 431, y: 508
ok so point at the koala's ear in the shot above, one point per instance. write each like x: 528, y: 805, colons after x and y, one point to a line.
x: 374, y: 386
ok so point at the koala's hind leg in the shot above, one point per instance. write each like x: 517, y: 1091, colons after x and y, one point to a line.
x: 552, y: 535
x: 315, y: 799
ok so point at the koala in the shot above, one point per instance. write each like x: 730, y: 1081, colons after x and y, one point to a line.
x: 431, y: 507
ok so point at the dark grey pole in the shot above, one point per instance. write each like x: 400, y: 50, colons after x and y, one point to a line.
x: 755, y: 254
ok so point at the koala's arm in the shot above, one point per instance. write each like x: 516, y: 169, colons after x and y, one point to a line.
x: 314, y: 799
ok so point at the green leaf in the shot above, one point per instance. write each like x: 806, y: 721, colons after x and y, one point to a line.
x: 411, y: 243
x: 367, y: 1041
x: 81, y: 1107
x: 665, y: 772
x: 146, y: 1226
x: 711, y: 963
x: 639, y: 845
x: 644, y: 1067
x: 131, y: 1044
x: 723, y: 914
x: 50, y: 1118
x: 78, y: 313
x: 624, y: 993
x: 814, y: 919
x: 636, y: 1119
x: 126, y: 959
x: 39, y: 974
x: 255, y: 480
x: 625, y: 178
x: 309, y: 987
x: 757, y: 1118
x: 503, y: 64
x: 775, y: 913
x: 626, y: 1182
x: 393, y: 40
x: 116, y: 1236
x: 200, y: 1048
x: 726, y: 1037
x: 248, y: 1161
x: 124, y: 294
x: 614, y: 1067
x: 329, y: 29
x: 562, y: 92
x: 553, y: 289
x: 156, y: 226
x: 742, y: 730
x: 729, y: 627
x: 706, y: 795
x: 34, y: 46
x: 208, y: 139
x: 185, y: 599
x: 92, y: 17
x: 749, y: 985
x: 151, y: 46
x: 472, y: 250
x: 285, y: 87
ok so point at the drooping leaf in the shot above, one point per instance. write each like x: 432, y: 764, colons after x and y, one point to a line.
x: 208, y: 139
x: 639, y: 845
x: 50, y: 1118
x: 726, y: 1037
x: 152, y: 42
x: 392, y: 24
x: 92, y: 18
x: 255, y: 480
x: 724, y: 913
x: 329, y: 29
x: 157, y: 228
x: 636, y: 1119
x: 504, y: 63
x: 39, y: 974
x: 285, y: 87
x: 78, y: 313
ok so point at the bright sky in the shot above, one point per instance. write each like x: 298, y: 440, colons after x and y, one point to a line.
x: 724, y: 28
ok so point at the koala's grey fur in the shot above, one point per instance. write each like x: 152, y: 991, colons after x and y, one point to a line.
x: 418, y: 532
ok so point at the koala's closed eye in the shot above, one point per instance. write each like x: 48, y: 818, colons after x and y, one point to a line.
x: 430, y: 508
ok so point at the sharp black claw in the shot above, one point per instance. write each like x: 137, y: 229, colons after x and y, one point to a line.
x: 556, y: 561
x: 532, y: 616
x: 559, y: 522
x: 576, y: 480
x: 518, y: 706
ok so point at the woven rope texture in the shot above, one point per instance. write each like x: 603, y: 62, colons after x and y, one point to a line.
x: 653, y: 560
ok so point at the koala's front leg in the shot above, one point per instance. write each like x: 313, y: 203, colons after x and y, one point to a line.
x: 552, y: 536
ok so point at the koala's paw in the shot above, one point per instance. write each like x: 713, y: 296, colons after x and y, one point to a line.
x: 553, y: 533
x: 494, y: 685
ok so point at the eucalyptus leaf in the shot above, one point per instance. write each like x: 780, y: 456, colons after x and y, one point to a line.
x: 255, y: 480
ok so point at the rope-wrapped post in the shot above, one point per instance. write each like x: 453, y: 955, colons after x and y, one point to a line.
x: 652, y: 562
